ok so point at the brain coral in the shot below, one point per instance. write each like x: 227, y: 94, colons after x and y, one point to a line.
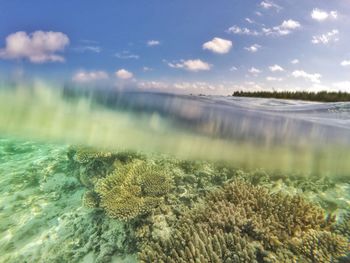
x: 133, y: 189
x: 245, y: 223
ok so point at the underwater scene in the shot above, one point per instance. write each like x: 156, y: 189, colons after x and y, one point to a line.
x: 145, y: 177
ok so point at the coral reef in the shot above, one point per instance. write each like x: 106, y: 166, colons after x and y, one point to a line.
x: 133, y: 189
x: 343, y: 226
x: 198, y: 212
x: 197, y: 243
x: 42, y: 218
x: 90, y: 164
x: 321, y: 246
x: 245, y: 223
x: 85, y: 155
x: 90, y: 199
x: 268, y: 215
x: 239, y: 223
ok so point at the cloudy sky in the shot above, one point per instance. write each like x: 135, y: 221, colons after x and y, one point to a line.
x: 197, y: 46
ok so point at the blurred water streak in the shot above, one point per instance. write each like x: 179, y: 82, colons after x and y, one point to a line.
x: 273, y: 134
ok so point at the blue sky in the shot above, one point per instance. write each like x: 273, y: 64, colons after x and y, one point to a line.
x: 196, y: 46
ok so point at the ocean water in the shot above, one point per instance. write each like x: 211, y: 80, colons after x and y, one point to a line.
x: 98, y: 175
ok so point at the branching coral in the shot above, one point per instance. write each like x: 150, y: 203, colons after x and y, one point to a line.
x: 133, y: 189
x: 85, y: 155
x: 239, y: 222
x: 198, y: 243
x: 270, y: 218
x: 321, y: 246
x: 90, y: 199
x: 90, y: 164
x: 246, y: 223
x: 343, y: 227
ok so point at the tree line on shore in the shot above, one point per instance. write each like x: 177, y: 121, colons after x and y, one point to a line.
x: 322, y: 96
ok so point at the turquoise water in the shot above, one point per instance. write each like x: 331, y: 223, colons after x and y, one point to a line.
x: 139, y: 177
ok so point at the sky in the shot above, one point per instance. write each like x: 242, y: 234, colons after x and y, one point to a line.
x: 180, y: 46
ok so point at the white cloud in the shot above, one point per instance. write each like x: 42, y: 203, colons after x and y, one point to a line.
x: 251, y: 86
x: 285, y: 28
x: 254, y: 48
x: 315, y: 78
x: 37, y: 47
x: 266, y: 4
x: 276, y: 68
x: 333, y: 14
x: 329, y: 37
x: 145, y: 69
x: 233, y: 68
x: 126, y: 55
x: 195, y: 87
x: 95, y: 49
x: 242, y: 31
x: 274, y: 79
x: 123, y: 74
x: 152, y: 43
x: 218, y: 45
x: 254, y: 71
x: 196, y: 65
x: 290, y: 24
x: 89, y: 76
x: 295, y: 61
x: 345, y: 63
x: 321, y: 15
x: 191, y: 65
x: 152, y: 85
x: 250, y: 21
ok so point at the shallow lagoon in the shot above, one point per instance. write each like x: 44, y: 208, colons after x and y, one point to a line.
x: 90, y: 177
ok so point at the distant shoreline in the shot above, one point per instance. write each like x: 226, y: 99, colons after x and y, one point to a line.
x: 322, y: 96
